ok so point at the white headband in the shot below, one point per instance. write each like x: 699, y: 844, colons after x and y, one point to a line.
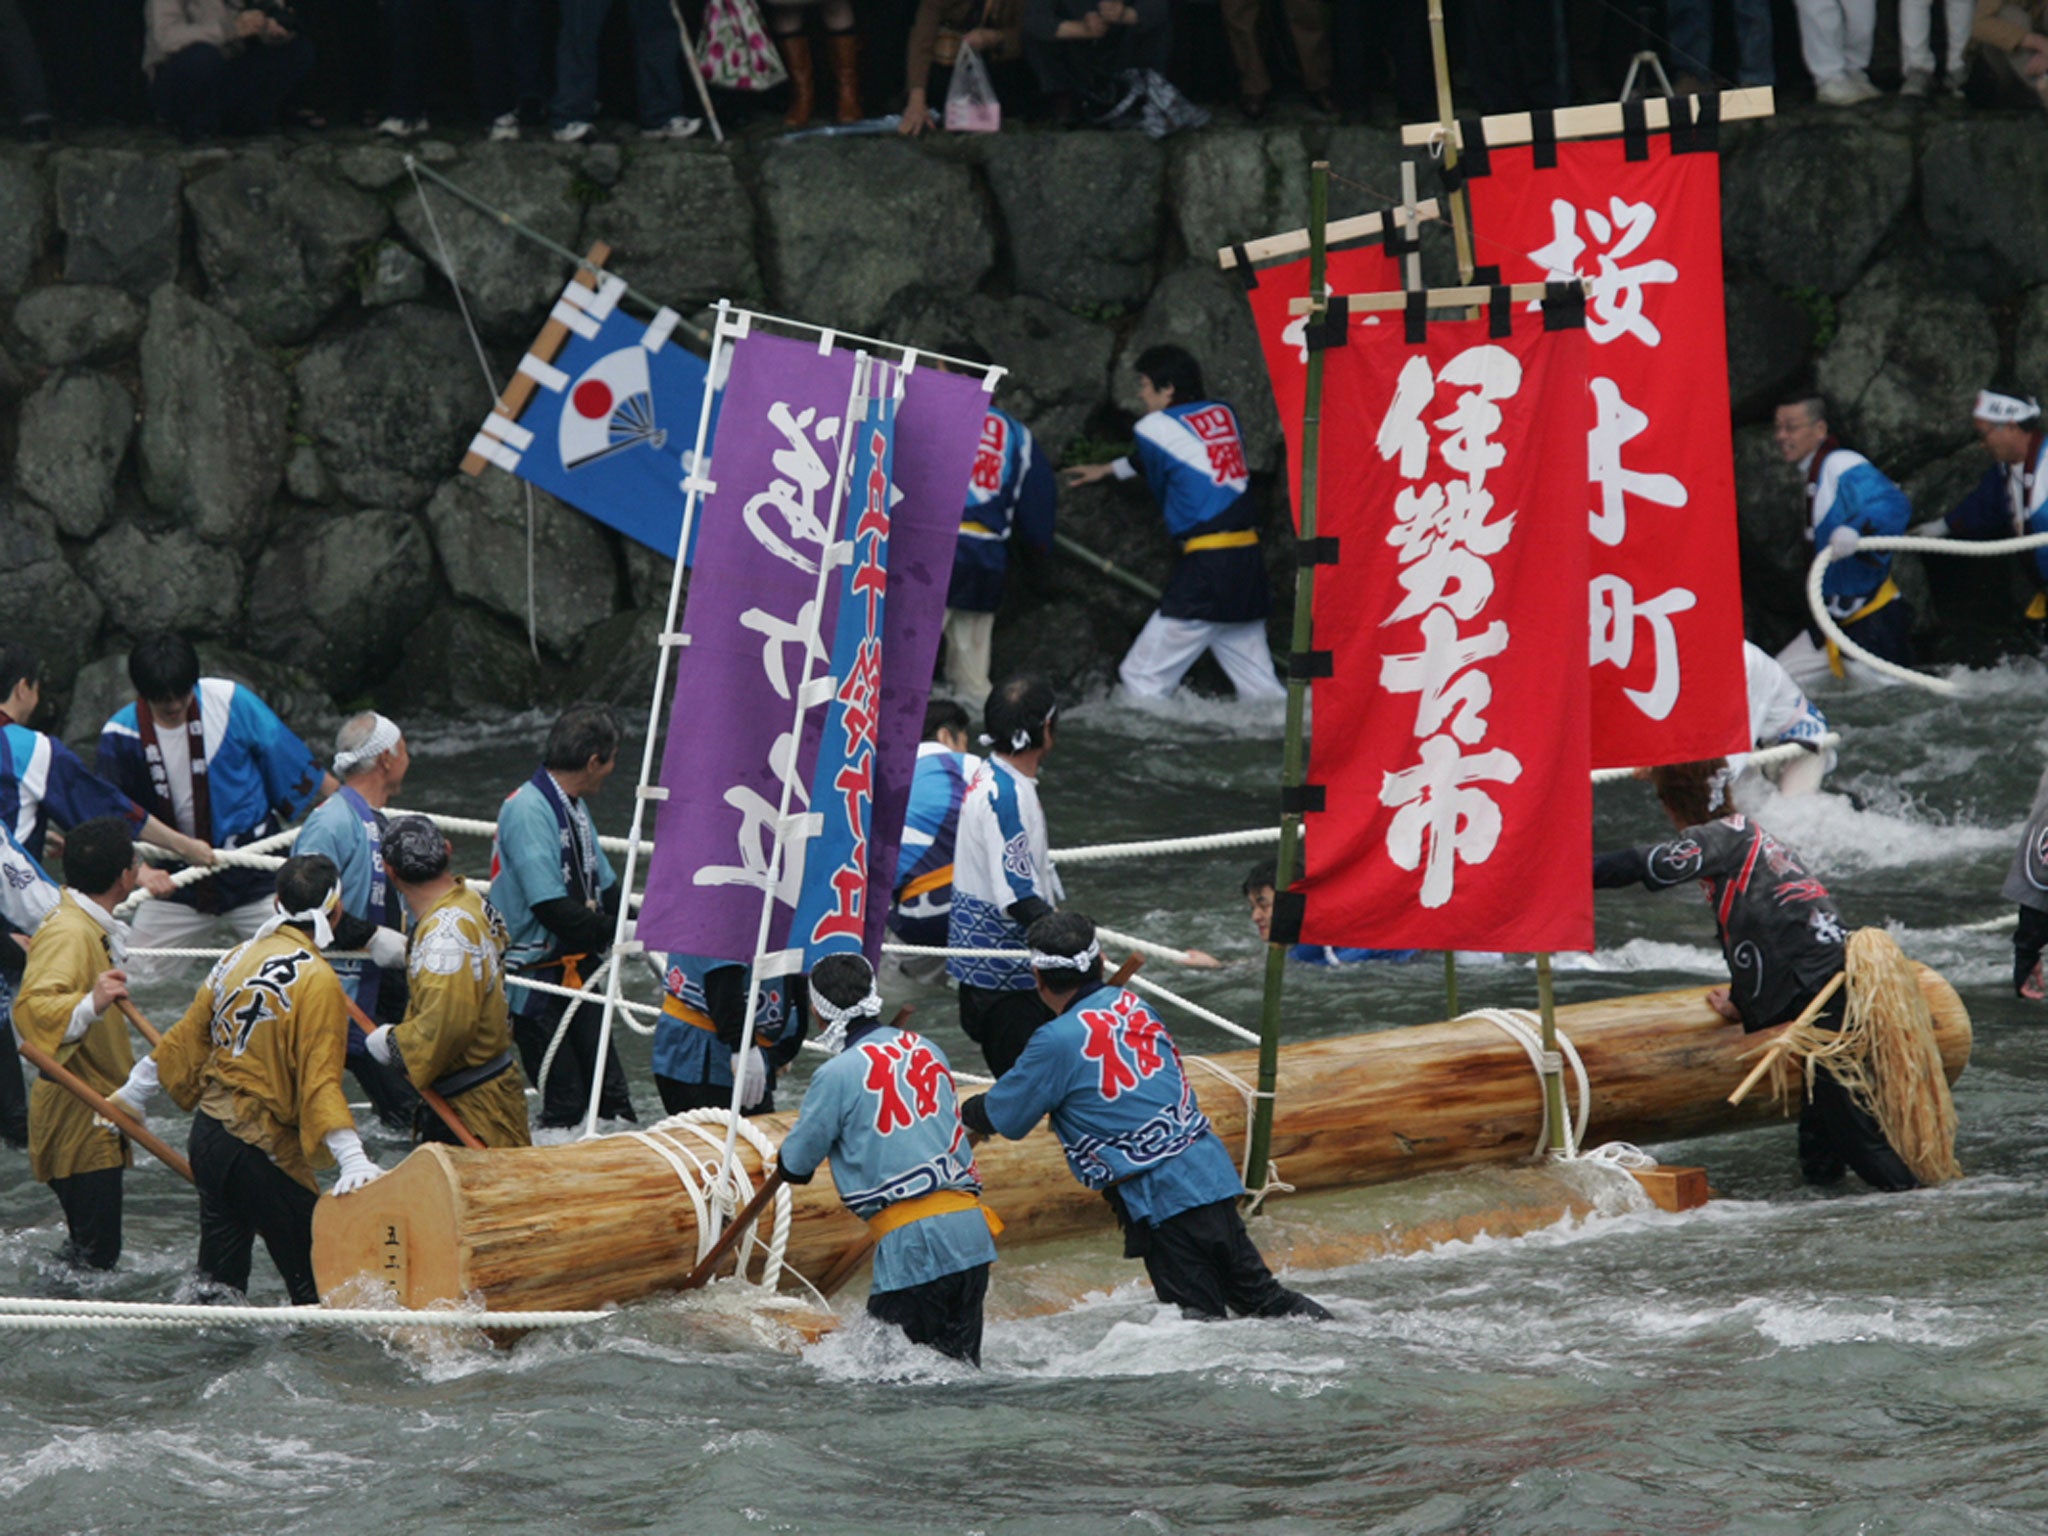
x: 2005, y: 410
x: 319, y: 918
x: 1020, y: 739
x: 833, y: 1040
x: 1041, y: 961
x: 383, y: 737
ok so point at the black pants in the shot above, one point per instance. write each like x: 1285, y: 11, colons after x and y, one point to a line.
x: 1836, y: 1136
x: 2028, y: 940
x: 1205, y: 1262
x: 92, y: 1212
x: 244, y: 1195
x: 943, y: 1314
x: 678, y: 1096
x: 201, y: 91
x: 13, y: 1091
x: 567, y: 1094
x: 1887, y: 633
x: 1001, y: 1023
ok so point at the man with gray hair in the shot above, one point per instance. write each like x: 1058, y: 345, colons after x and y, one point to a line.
x: 370, y: 760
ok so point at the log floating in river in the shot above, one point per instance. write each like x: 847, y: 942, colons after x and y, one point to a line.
x: 604, y: 1221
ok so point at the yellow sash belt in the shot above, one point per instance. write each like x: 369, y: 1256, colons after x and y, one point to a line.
x: 1882, y: 598
x: 979, y: 531
x: 2037, y: 610
x: 939, y: 1203
x: 930, y: 881
x: 1237, y: 540
x: 676, y: 1008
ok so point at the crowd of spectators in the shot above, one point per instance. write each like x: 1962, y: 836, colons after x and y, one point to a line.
x: 557, y: 66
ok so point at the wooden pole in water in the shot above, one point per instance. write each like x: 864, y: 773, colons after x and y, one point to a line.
x: 747, y: 1214
x: 122, y: 1121
x: 1554, y: 1111
x: 431, y: 1099
x: 1260, y: 1145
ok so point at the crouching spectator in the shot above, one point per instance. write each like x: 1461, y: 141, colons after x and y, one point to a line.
x: 2011, y: 39
x: 220, y: 65
x: 992, y: 28
x: 1077, y: 48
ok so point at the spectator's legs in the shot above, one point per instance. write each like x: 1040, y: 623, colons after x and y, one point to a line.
x: 1148, y: 47
x: 787, y: 23
x: 1859, y: 32
x: 530, y: 53
x: 1309, y: 21
x: 491, y: 29
x: 1691, y: 30
x: 186, y: 93
x: 1958, y: 16
x: 1241, y: 28
x: 1516, y: 44
x: 845, y: 46
x: 576, y: 61
x: 21, y: 69
x: 259, y: 81
x: 657, y: 62
x: 1754, y: 64
x: 1414, y: 77
x: 1915, y: 54
x: 406, y: 44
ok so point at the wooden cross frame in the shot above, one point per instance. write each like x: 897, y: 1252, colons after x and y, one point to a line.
x: 546, y: 348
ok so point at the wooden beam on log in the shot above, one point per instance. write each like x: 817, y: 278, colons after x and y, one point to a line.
x: 547, y: 346
x: 1601, y: 120
x: 1344, y: 233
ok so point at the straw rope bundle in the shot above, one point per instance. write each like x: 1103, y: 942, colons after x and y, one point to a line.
x: 1884, y: 1057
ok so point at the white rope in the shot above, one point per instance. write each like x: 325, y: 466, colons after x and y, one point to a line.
x: 1096, y: 853
x: 1619, y: 1154
x: 1791, y: 751
x: 1526, y: 1030
x: 700, y: 1179
x: 39, y: 1311
x: 1139, y: 980
x: 1143, y: 946
x: 469, y: 826
x: 249, y: 857
x: 577, y: 1000
x: 1273, y: 1184
x: 1907, y: 544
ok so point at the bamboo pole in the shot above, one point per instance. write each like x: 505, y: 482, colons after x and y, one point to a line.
x: 1450, y: 983
x: 431, y: 1099
x: 1777, y: 1046
x: 1555, y: 1111
x: 122, y: 1121
x: 1461, y: 216
x: 143, y: 1027
x: 1259, y: 1149
x: 1107, y: 566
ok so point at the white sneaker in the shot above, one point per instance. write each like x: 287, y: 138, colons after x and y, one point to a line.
x: 1839, y: 91
x: 1862, y: 83
x: 678, y: 127
x: 1919, y: 82
x: 1956, y: 78
x: 573, y: 133
x: 505, y: 128
x: 402, y: 127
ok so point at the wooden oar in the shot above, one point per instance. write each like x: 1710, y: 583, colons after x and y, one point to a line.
x: 431, y: 1099
x: 126, y: 1123
x: 747, y: 1214
x: 1777, y: 1046
x: 1126, y: 971
x: 147, y: 1030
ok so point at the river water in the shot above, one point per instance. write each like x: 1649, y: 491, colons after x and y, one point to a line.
x: 1783, y: 1361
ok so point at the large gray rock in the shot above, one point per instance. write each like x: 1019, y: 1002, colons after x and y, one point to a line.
x: 392, y: 275
x: 40, y: 595
x: 340, y: 598
x: 1770, y: 338
x: 172, y: 580
x: 1235, y: 184
x: 682, y: 226
x: 392, y: 404
x: 1770, y: 508
x: 1081, y: 213
x: 2030, y: 345
x: 479, y: 526
x: 1808, y: 204
x: 461, y: 662
x: 854, y: 222
x: 74, y: 435
x: 617, y: 662
x: 70, y: 323
x: 214, y: 412
x: 1059, y: 363
x: 1205, y: 312
x: 510, y: 282
x: 279, y: 243
x: 649, y: 576
x: 1984, y: 186
x: 24, y: 227
x: 1934, y: 488
x: 121, y: 217
x: 1905, y: 364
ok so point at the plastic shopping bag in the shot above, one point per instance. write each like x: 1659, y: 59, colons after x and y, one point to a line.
x: 971, y: 105
x: 736, y: 52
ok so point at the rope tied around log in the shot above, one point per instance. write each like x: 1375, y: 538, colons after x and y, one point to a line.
x: 699, y: 1177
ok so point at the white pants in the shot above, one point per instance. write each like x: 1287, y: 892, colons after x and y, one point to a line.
x: 1914, y: 29
x: 1807, y: 662
x: 1835, y: 35
x: 1165, y: 648
x: 166, y: 925
x: 968, y: 636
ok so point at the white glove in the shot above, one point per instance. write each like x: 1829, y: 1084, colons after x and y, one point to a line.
x: 122, y: 1099
x: 1843, y: 541
x: 135, y: 1094
x: 356, y: 1167
x: 378, y: 1043
x: 387, y: 949
x: 751, y: 1073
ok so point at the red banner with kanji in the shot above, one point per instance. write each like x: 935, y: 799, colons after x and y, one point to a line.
x: 1283, y: 336
x: 1666, y: 579
x: 1450, y: 745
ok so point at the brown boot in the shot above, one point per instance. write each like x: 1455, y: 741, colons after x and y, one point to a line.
x: 796, y: 58
x: 845, y: 50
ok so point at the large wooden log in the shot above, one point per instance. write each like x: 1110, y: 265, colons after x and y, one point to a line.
x: 601, y: 1221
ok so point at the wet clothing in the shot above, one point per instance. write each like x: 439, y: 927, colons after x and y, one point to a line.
x: 943, y: 1314
x: 1779, y: 713
x: 703, y: 1020
x: 886, y: 1113
x: 1780, y: 932
x: 2027, y: 884
x: 244, y: 1195
x: 1001, y: 1022
x: 2010, y: 500
x: 42, y: 780
x: 456, y: 1036
x: 1010, y: 491
x: 924, y: 860
x: 1003, y: 879
x: 1204, y: 1262
x: 1836, y: 1136
x: 67, y: 1150
x: 260, y: 1051
x: 229, y: 775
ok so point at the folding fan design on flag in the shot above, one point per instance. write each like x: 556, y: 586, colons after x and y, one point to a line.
x: 611, y: 408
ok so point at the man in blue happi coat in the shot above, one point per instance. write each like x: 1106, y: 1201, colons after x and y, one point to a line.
x: 703, y: 1023
x: 370, y: 760
x: 209, y: 757
x: 1847, y: 497
x: 885, y: 1112
x: 1217, y: 599
x: 559, y: 897
x: 931, y: 825
x: 2011, y: 500
x: 1258, y: 895
x: 1010, y: 492
x: 1110, y: 1076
